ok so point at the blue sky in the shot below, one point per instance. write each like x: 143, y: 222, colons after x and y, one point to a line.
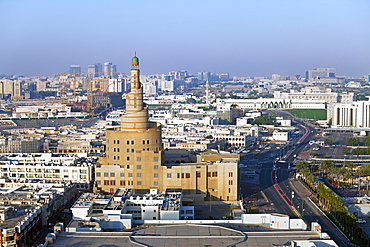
x: 243, y: 38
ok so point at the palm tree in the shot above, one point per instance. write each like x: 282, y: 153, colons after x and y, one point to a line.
x: 301, y: 165
x: 326, y: 165
x: 350, y: 166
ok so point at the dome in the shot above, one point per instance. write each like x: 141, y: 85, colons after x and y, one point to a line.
x: 135, y: 59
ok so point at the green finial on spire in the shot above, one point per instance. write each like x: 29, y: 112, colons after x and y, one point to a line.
x: 135, y: 60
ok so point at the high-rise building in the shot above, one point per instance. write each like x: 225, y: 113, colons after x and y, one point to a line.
x: 110, y: 69
x: 317, y: 73
x: 204, y: 76
x: 75, y: 69
x: 135, y: 157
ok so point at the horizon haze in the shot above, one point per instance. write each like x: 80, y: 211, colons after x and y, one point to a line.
x: 242, y: 38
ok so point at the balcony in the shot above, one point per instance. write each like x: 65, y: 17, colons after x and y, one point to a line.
x: 9, y: 243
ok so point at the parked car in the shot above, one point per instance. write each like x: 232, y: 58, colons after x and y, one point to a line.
x: 361, y: 221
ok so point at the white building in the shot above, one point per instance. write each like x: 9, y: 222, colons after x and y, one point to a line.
x: 280, y: 135
x: 266, y: 103
x: 356, y: 114
x: 47, y: 167
x: 316, y: 93
x: 124, y: 207
x: 317, y: 73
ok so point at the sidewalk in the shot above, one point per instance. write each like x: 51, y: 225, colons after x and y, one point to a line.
x: 303, y: 191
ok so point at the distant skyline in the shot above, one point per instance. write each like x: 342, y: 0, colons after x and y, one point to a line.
x: 242, y: 38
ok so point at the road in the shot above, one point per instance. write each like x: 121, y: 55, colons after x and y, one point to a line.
x: 299, y: 195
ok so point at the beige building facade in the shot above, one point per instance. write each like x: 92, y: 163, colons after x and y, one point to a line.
x: 135, y: 157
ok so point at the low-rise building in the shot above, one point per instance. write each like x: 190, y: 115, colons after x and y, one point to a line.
x: 26, y: 208
x: 125, y: 208
x: 47, y: 167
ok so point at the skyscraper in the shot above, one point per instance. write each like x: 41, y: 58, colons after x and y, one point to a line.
x: 75, y: 69
x: 110, y: 69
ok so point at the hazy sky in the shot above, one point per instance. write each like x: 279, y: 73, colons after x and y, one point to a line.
x: 243, y: 38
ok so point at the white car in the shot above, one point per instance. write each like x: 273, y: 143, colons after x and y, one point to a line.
x: 361, y: 221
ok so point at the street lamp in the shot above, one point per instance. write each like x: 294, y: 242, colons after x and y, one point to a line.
x: 210, y: 201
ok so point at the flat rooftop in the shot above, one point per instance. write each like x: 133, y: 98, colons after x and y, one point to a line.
x: 15, y: 214
x: 183, y: 235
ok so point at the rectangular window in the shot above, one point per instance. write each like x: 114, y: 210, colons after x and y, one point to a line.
x: 132, y: 142
x: 178, y: 175
x: 155, y: 183
x: 147, y: 142
x: 112, y: 174
x: 155, y: 167
x: 106, y: 182
x: 130, y: 175
x: 128, y: 166
x: 132, y: 150
x: 127, y: 142
x: 114, y: 141
x: 155, y: 175
x: 138, y: 158
x: 122, y: 174
x: 98, y: 174
x: 138, y: 182
x: 138, y: 167
x: 138, y: 175
x: 127, y: 150
x: 143, y: 141
x: 187, y: 175
x: 198, y: 174
x: 208, y: 174
x: 128, y: 158
x: 182, y: 175
x: 122, y: 182
x: 230, y: 182
x: 106, y: 174
x: 155, y: 159
x: 230, y: 174
x: 112, y: 182
x: 117, y: 141
x: 169, y: 175
x: 214, y: 174
x: 114, y: 149
x: 229, y: 190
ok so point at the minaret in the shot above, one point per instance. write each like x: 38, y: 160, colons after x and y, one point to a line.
x: 134, y: 150
x: 136, y: 117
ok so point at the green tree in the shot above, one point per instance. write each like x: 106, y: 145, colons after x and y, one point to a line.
x: 301, y: 165
x: 326, y: 165
x: 328, y: 141
x: 366, y: 140
x: 353, y: 141
x: 263, y: 120
x: 311, y: 178
x: 191, y: 101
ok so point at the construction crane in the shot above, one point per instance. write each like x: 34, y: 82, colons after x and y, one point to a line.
x: 89, y: 83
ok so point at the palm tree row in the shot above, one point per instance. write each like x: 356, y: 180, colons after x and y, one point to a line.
x: 327, y: 199
x: 347, y: 172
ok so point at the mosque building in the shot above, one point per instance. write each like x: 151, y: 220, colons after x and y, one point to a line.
x: 135, y: 158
